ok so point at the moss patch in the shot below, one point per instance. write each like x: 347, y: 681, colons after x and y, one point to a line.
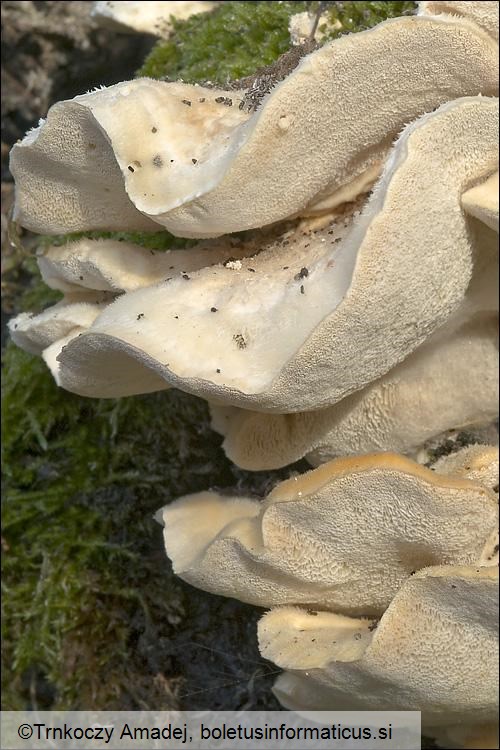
x: 82, y: 480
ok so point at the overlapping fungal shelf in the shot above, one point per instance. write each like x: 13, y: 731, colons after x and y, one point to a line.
x: 356, y: 319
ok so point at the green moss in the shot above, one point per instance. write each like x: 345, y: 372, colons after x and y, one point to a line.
x: 232, y: 42
x: 82, y: 479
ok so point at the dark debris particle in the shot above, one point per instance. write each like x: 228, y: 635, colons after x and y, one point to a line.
x: 312, y: 612
x: 141, y: 315
x: 152, y: 252
x: 81, y: 278
x: 154, y: 130
x: 373, y: 626
x: 195, y: 161
x: 157, y: 161
x: 186, y: 102
x: 240, y: 341
x: 176, y: 317
x: 213, y: 309
x: 130, y: 169
x: 357, y: 636
x: 302, y: 290
x: 302, y: 274
x: 413, y: 572
x: 495, y: 549
x: 217, y: 370
x: 495, y: 488
x: 252, y: 270
x: 171, y: 161
x: 202, y: 100
x: 185, y: 276
x: 453, y: 586
x: 285, y: 268
x: 219, y: 99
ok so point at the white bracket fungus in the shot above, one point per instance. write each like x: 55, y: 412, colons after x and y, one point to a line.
x: 481, y: 201
x: 116, y: 266
x: 478, y: 463
x: 46, y: 334
x: 191, y: 160
x: 342, y: 537
x: 483, y: 13
x: 435, y: 650
x: 309, y: 319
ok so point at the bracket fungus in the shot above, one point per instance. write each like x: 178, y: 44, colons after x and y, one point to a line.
x: 481, y: 201
x: 145, y: 135
x: 270, y: 347
x: 450, y: 382
x: 342, y: 537
x: 115, y: 266
x: 478, y: 463
x: 46, y: 334
x: 150, y: 17
x: 483, y: 13
x: 434, y: 650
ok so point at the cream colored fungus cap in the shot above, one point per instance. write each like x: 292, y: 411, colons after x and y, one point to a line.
x: 435, y: 650
x: 343, y: 537
x: 117, y: 266
x: 481, y: 201
x: 46, y: 334
x: 314, y: 316
x: 190, y: 159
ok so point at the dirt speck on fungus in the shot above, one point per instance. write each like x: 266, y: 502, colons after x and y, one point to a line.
x: 240, y: 340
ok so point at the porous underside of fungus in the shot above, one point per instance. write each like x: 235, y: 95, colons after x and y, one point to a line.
x: 68, y: 178
x: 342, y: 537
x: 191, y: 159
x: 148, y: 17
x: 449, y: 382
x: 435, y: 650
x: 479, y: 463
x: 481, y: 201
x: 483, y: 13
x: 269, y: 344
